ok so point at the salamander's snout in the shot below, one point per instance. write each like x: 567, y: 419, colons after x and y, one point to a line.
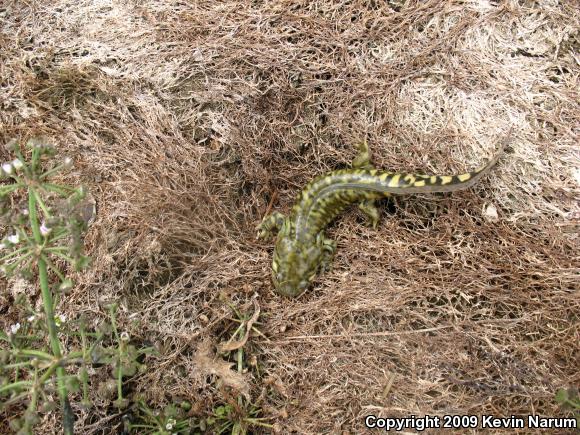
x: 288, y: 287
x: 291, y: 290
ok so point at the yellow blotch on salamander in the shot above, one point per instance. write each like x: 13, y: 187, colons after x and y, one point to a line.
x: 395, y: 180
x: 302, y: 249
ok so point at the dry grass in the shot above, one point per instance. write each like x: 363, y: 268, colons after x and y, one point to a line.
x: 188, y: 118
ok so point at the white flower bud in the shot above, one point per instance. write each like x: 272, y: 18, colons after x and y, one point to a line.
x: 66, y: 285
x: 17, y: 164
x: 44, y: 230
x: 7, y: 168
x: 170, y: 423
x: 59, y: 319
x: 14, y: 238
x: 14, y: 328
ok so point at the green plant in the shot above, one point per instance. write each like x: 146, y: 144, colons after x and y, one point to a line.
x: 236, y: 418
x: 44, y: 224
x: 238, y: 414
x: 121, y: 356
x: 37, y: 240
x: 570, y: 400
x: 171, y: 421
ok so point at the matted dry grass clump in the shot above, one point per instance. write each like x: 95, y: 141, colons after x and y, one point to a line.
x: 189, y: 120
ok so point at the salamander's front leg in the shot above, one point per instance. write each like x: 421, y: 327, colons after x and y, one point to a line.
x: 270, y: 225
x: 368, y: 207
x: 328, y: 250
x: 363, y: 159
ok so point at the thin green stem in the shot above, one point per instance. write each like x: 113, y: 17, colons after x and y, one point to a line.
x: 17, y: 365
x: 35, y: 389
x: 257, y: 422
x: 33, y: 218
x: 112, y: 310
x: 85, y: 359
x: 50, y: 172
x: 50, y: 370
x: 120, y: 375
x: 40, y: 202
x: 20, y: 156
x: 58, y: 234
x: 61, y: 190
x: 35, y: 158
x: 5, y: 190
x: 34, y: 353
x: 13, y: 253
x: 147, y: 411
x: 240, y: 358
x: 15, y: 385
x: 54, y: 249
x: 49, y: 312
x: 16, y: 399
x: 234, y: 309
x: 84, y: 342
x: 20, y: 260
x: 63, y: 256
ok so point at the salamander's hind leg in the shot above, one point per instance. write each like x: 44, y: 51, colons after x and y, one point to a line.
x: 363, y: 159
x: 368, y: 207
x: 328, y: 249
x: 270, y: 225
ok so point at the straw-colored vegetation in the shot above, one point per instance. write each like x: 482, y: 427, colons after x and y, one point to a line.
x: 189, y: 120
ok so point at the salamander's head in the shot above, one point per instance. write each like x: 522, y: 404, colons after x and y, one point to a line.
x: 294, y: 266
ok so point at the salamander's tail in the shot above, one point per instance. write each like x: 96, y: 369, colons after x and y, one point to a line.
x: 449, y: 183
x: 390, y: 183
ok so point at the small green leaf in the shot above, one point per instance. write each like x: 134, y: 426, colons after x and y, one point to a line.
x: 66, y: 285
x: 81, y: 263
x: 561, y: 396
x: 129, y: 370
x: 121, y: 403
x: 73, y: 385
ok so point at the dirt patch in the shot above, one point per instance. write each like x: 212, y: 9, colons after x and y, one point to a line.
x: 187, y: 119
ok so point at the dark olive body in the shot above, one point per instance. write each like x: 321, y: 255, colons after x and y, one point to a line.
x: 302, y: 249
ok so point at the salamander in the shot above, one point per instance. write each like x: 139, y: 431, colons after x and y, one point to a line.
x: 302, y: 250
